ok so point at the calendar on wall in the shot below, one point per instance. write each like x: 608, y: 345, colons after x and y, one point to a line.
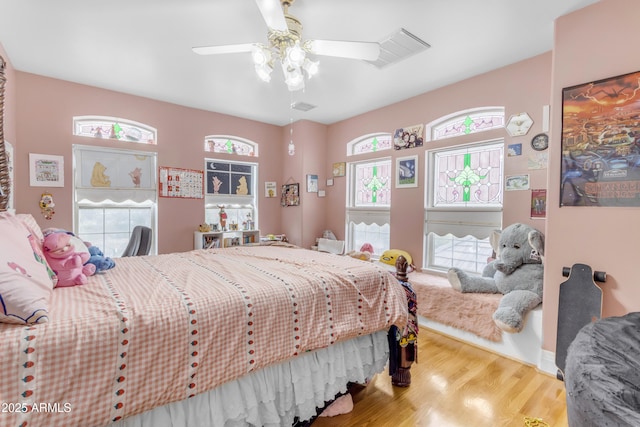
x: 184, y: 183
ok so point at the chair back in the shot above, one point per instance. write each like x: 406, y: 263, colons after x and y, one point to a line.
x: 139, y: 242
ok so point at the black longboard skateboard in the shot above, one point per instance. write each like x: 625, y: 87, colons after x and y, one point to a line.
x: 580, y: 303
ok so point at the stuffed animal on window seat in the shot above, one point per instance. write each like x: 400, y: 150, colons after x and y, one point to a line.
x: 517, y: 273
x: 66, y: 261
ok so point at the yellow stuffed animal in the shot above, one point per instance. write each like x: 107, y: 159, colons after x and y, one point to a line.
x: 391, y: 255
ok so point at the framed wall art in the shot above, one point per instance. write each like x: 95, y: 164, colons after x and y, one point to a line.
x: 600, y: 153
x: 312, y: 183
x: 270, y: 189
x: 407, y: 172
x: 46, y: 170
x: 339, y: 169
x: 290, y: 195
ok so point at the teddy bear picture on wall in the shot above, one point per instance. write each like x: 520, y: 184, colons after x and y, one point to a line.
x: 516, y: 273
x: 65, y: 261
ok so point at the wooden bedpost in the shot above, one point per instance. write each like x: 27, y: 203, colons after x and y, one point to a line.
x: 403, y: 345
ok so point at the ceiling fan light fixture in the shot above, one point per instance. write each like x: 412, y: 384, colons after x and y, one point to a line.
x: 261, y: 55
x: 264, y: 72
x: 293, y: 77
x: 311, y: 67
x: 294, y: 56
x: 287, y: 46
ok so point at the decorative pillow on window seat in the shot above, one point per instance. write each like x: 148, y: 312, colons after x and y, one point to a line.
x: 26, y: 282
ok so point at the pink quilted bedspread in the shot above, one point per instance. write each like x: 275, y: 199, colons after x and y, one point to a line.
x: 154, y: 330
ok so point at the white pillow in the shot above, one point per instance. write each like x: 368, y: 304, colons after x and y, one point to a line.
x: 25, y: 281
x: 331, y: 246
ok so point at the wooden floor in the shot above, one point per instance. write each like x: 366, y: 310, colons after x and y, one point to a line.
x: 457, y: 385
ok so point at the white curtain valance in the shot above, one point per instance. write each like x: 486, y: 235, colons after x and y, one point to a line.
x: 379, y: 217
x: 479, y: 224
x: 115, y: 195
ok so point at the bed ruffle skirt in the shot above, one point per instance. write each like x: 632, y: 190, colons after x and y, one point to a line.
x: 276, y: 395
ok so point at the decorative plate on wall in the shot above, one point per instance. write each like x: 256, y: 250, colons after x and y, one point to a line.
x: 519, y: 124
x: 540, y: 142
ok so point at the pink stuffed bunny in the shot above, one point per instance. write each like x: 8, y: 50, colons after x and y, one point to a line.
x: 65, y: 261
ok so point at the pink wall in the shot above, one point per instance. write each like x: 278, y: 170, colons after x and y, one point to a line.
x: 587, y: 47
x: 44, y: 111
x: 591, y: 44
x: 503, y: 87
x: 303, y: 223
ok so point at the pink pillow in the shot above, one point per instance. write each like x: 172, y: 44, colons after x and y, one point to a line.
x: 26, y: 282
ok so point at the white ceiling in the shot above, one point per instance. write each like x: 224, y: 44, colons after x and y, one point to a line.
x: 143, y: 47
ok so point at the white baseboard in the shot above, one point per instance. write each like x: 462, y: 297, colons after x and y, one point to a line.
x: 525, y: 346
x: 548, y: 363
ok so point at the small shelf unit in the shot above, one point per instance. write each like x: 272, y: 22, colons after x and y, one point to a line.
x: 224, y: 239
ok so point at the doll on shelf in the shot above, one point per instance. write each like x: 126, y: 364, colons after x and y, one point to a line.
x: 223, y: 218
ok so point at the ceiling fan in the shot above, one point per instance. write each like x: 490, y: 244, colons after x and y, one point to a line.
x: 287, y: 46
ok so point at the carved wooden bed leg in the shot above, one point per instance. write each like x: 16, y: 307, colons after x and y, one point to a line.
x: 403, y: 345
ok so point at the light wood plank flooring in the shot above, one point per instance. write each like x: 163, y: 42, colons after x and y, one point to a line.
x: 457, y: 385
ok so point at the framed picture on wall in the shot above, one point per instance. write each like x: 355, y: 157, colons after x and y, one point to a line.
x: 290, y: 195
x: 600, y: 154
x: 339, y: 169
x: 46, y: 170
x: 270, y: 189
x: 312, y: 183
x: 407, y: 172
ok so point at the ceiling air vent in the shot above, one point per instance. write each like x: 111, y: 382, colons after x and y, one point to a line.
x: 398, y: 46
x: 302, y: 106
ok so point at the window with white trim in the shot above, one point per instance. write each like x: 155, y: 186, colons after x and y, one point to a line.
x: 114, y: 190
x: 369, y: 195
x: 464, y: 204
x: 231, y: 186
x: 230, y: 145
x: 114, y: 128
x: 466, y: 122
x: 370, y: 144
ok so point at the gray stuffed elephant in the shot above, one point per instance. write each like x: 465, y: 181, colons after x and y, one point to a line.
x: 517, y: 273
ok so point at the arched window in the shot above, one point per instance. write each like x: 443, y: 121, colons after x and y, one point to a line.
x: 230, y: 145
x: 369, y: 187
x: 370, y: 144
x: 466, y: 122
x: 114, y: 128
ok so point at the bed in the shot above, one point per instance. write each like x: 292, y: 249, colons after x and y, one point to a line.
x: 248, y: 335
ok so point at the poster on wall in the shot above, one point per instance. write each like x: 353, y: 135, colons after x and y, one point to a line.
x: 539, y: 203
x: 181, y: 183
x: 408, y: 137
x: 601, y: 143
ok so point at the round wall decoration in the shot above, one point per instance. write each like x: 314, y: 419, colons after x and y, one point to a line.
x: 540, y: 142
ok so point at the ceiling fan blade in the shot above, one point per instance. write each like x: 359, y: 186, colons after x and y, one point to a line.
x: 229, y: 48
x: 272, y: 13
x: 368, y: 51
